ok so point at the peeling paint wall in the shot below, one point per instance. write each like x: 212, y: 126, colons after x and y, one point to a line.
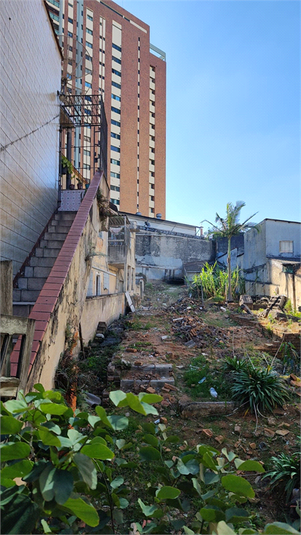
x: 160, y: 255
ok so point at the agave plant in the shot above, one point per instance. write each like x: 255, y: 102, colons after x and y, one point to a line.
x: 285, y: 473
x: 261, y: 388
x: 234, y: 364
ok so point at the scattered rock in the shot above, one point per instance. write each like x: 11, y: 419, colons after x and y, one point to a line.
x: 272, y: 421
x: 282, y: 432
x: 207, y: 432
x: 150, y: 390
x: 220, y: 439
x: 175, y: 320
x: 253, y: 446
x: 268, y: 432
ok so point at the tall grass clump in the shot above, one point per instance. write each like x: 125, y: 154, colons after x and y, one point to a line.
x: 212, y: 281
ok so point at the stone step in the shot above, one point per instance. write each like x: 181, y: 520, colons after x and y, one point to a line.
x: 164, y: 370
x: 22, y: 310
x: 51, y: 244
x: 56, y: 236
x: 25, y: 295
x: 65, y: 216
x: 62, y: 229
x: 44, y: 252
x: 36, y: 261
x: 128, y: 385
x: 37, y: 272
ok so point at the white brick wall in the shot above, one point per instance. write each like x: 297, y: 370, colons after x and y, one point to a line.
x: 30, y: 66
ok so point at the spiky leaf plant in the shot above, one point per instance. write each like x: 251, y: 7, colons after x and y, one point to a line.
x: 260, y: 388
x: 234, y: 364
x: 285, y: 473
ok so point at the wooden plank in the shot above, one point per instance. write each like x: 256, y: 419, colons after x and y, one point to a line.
x: 129, y: 300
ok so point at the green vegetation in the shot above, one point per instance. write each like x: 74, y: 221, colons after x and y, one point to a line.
x: 259, y: 388
x: 201, y: 376
x: 229, y: 227
x: 285, y: 473
x: 213, y: 281
x: 77, y: 471
x: 291, y: 358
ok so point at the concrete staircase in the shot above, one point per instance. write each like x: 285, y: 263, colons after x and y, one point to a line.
x: 40, y: 264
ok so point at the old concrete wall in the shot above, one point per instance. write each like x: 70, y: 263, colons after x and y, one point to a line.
x: 30, y: 65
x: 160, y: 255
x: 6, y: 287
x: 102, y: 308
x: 255, y: 247
x: 277, y: 231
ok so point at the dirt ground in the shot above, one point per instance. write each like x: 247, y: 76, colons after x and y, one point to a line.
x: 169, y: 327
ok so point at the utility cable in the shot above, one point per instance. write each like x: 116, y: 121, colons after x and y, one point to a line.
x: 4, y: 147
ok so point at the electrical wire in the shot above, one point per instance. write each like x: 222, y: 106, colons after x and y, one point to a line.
x: 3, y: 148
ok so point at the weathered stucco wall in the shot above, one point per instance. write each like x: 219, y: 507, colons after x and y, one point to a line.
x: 30, y: 64
x: 160, y: 255
x: 277, y: 231
x: 66, y: 316
x: 102, y: 308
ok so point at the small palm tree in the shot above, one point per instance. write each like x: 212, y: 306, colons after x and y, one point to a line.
x: 228, y: 227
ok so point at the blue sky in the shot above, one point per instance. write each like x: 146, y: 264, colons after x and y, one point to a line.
x: 233, y: 105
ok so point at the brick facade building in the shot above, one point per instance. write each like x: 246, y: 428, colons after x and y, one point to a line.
x: 107, y: 51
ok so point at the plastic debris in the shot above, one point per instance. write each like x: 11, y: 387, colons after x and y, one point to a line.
x: 157, y: 421
x: 202, y: 380
x: 213, y: 392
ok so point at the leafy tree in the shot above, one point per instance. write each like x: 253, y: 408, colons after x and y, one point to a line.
x: 227, y: 228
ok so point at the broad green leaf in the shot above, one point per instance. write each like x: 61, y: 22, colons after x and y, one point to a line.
x: 10, y: 494
x: 97, y: 440
x: 17, y: 450
x: 117, y: 482
x: 45, y: 526
x: 103, y: 415
x: 65, y: 442
x: 15, y: 405
x: 238, y: 485
x: 167, y: 493
x: 21, y: 516
x: 93, y: 420
x: 9, y: 425
x: 193, y: 467
x: 150, y: 398
x: 134, y: 403
x: 82, y: 510
x: 279, y: 528
x: 209, y: 461
x: 251, y: 466
x: 173, y: 439
x: 75, y: 436
x: 7, y: 483
x: 197, y: 486
x: 223, y: 529
x: 148, y: 510
x: 123, y: 503
x: 211, y: 513
x: 211, y: 478
x: 39, y: 387
x: 120, y: 443
x: 19, y: 469
x: 86, y: 469
x: 151, y: 439
x: 46, y: 482
x: 149, y: 409
x: 51, y: 426
x: 235, y: 515
x: 149, y: 453
x: 202, y: 449
x: 117, y: 396
x: 52, y: 395
x: 118, y: 423
x: 63, y: 485
x: 182, y: 468
x: 149, y: 427
x: 188, y: 531
x: 53, y: 408
x: 97, y: 451
x: 48, y: 438
x: 229, y: 455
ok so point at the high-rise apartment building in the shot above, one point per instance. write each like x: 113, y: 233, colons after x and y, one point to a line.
x: 108, y: 52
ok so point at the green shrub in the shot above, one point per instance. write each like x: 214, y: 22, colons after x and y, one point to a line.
x: 260, y: 388
x: 235, y: 364
x: 285, y: 473
x: 213, y: 281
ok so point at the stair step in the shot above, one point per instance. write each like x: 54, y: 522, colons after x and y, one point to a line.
x: 21, y: 309
x: 34, y: 283
x: 36, y: 261
x: 51, y: 244
x: 62, y: 229
x: 27, y: 295
x: 56, y: 236
x: 65, y: 216
x: 43, y: 252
